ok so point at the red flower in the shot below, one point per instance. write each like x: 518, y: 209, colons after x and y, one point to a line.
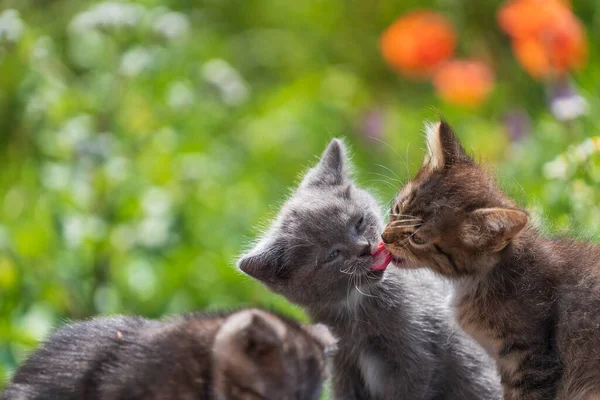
x: 464, y: 82
x: 548, y: 39
x: 418, y: 42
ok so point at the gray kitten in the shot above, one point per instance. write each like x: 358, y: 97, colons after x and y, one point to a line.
x: 398, y: 337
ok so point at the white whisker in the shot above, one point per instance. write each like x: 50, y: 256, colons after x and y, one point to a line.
x: 404, y: 215
x: 406, y: 220
x: 361, y: 292
x: 392, y: 179
x: 393, y: 173
x: 404, y: 226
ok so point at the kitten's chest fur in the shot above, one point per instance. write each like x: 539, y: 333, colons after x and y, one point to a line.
x: 362, y: 331
x: 476, y: 312
x: 505, y: 324
x: 471, y: 312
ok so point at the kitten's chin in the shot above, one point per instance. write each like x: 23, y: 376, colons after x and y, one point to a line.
x: 375, y: 276
x: 405, y: 263
x: 398, y: 261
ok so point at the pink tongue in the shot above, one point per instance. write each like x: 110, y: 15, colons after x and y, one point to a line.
x: 382, y: 258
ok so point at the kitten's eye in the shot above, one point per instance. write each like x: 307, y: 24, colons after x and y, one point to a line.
x: 396, y: 209
x: 416, y: 239
x: 359, y: 223
x: 332, y: 256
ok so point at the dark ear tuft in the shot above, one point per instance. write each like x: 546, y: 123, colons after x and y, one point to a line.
x: 444, y: 148
x: 492, y: 228
x: 332, y: 169
x: 264, y: 262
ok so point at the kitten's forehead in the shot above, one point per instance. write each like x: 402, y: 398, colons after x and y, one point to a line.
x: 316, y: 216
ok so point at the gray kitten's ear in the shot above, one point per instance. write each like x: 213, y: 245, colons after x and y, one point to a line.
x: 264, y: 262
x: 332, y: 169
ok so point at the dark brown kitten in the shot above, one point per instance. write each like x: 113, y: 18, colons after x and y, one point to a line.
x: 248, y: 355
x: 531, y: 301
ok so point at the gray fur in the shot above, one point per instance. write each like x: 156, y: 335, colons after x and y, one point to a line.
x: 398, y: 338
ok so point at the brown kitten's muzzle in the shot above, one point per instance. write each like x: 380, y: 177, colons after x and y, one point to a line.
x: 388, y: 236
x: 397, y: 233
x: 395, y: 237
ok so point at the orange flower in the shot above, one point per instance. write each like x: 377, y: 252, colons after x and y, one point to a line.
x: 418, y: 42
x: 524, y: 18
x: 464, y: 82
x: 559, y: 52
x: 548, y: 39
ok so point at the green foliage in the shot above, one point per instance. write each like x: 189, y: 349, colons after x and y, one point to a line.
x: 141, y: 155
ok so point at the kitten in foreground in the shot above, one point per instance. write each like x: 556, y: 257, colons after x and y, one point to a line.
x: 246, y: 355
x: 397, y: 336
x: 533, y: 302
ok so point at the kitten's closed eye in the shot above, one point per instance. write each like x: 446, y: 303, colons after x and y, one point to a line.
x: 416, y: 239
x: 332, y: 256
x: 360, y: 224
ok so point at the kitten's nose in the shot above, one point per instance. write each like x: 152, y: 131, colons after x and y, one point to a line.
x: 387, y: 237
x: 366, y: 250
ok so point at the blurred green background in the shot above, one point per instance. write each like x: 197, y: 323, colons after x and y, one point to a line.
x: 144, y: 144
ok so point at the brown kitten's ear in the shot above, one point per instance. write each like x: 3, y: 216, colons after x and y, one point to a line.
x: 261, y: 339
x: 492, y: 228
x: 332, y: 169
x: 252, y: 332
x: 264, y: 262
x: 443, y: 147
x: 323, y: 335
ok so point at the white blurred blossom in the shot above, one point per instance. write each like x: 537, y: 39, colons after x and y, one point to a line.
x: 77, y: 228
x: 73, y: 229
x: 81, y: 190
x: 42, y: 48
x: 108, y: 14
x: 95, y: 228
x: 574, y: 156
x: 55, y: 176
x: 135, y: 61
x: 97, y: 146
x: 153, y: 231
x: 172, y: 25
x: 565, y: 101
x: 180, y: 95
x: 11, y: 26
x: 38, y: 321
x: 569, y: 108
x: 141, y: 278
x: 45, y: 97
x: 117, y: 169
x: 106, y: 299
x: 227, y: 80
x: 74, y: 131
x: 156, y: 202
x: 556, y: 169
